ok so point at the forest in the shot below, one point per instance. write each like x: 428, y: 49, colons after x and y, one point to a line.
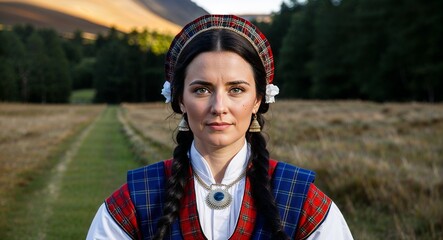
x: 39, y: 66
x: 376, y: 50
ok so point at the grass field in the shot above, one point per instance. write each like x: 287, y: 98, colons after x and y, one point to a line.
x: 381, y: 163
x: 30, y: 135
x: 60, y: 202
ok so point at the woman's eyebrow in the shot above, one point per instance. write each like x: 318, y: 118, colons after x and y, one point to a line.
x: 238, y: 82
x: 200, y: 82
x: 205, y: 83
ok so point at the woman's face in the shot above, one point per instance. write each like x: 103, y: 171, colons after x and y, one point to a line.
x: 219, y: 98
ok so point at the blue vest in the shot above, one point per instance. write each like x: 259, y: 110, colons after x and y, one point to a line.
x: 146, y: 185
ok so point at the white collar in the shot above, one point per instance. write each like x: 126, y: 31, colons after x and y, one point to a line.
x: 235, y: 168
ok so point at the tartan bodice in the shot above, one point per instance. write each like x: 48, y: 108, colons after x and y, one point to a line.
x: 138, y: 205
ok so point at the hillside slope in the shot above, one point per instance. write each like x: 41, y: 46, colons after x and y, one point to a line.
x: 177, y: 11
x: 125, y: 15
x: 20, y: 13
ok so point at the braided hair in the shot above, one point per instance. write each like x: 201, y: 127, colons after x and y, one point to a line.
x: 221, y: 40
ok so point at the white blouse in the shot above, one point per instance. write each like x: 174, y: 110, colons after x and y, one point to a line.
x: 220, y: 224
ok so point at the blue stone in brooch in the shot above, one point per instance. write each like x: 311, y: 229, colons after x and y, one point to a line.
x: 218, y: 196
x: 218, y: 199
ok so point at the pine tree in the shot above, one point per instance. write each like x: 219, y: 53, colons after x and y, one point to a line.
x: 12, y: 58
x: 292, y: 71
x: 110, y: 72
x: 34, y: 88
x: 82, y: 74
x: 330, y: 67
x: 8, y: 85
x: 58, y: 81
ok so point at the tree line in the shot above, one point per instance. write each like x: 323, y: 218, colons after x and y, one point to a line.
x: 379, y: 50
x: 40, y: 66
x: 33, y: 66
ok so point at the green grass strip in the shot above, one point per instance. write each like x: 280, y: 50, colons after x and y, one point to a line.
x: 65, y: 202
x: 82, y: 96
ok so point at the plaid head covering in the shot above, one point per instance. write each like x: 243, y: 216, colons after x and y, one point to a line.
x: 230, y: 22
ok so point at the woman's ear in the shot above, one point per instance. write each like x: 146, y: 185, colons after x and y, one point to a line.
x: 182, y: 108
x: 256, y: 105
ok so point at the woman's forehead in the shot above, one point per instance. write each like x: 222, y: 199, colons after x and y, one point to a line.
x: 219, y: 65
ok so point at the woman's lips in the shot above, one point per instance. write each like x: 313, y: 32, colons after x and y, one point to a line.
x: 218, y: 126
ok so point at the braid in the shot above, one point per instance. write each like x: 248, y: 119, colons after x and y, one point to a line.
x: 261, y: 183
x: 176, y: 184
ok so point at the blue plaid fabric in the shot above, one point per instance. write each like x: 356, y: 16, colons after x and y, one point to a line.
x: 147, y: 190
x: 290, y: 186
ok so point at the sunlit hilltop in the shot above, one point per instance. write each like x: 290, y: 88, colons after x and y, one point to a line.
x: 95, y: 15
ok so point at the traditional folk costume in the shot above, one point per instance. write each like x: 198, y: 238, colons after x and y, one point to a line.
x: 132, y: 212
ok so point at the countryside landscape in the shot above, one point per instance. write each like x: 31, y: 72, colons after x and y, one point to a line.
x: 381, y: 163
x: 361, y: 104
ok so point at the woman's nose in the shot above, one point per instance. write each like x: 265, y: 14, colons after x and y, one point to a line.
x: 218, y: 104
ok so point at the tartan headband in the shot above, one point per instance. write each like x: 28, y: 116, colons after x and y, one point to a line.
x: 229, y: 22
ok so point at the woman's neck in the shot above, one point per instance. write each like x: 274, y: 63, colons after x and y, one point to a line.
x: 218, y: 158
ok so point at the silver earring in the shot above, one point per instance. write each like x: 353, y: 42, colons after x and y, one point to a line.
x: 183, y: 125
x: 255, y: 126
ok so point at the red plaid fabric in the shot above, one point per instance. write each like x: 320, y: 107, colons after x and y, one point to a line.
x: 122, y: 210
x: 189, y: 222
x: 248, y: 215
x: 272, y: 164
x: 168, y: 167
x: 314, y: 212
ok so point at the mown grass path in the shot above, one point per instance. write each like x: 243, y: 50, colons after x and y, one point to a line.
x: 62, y: 204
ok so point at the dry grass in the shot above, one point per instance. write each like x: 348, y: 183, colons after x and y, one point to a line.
x: 381, y: 163
x: 29, y: 134
x: 154, y: 121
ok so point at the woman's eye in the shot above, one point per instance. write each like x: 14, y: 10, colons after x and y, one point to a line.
x: 236, y: 90
x: 201, y: 90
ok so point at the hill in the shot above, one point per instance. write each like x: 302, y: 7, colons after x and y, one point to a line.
x: 20, y: 13
x: 96, y: 16
x: 183, y: 11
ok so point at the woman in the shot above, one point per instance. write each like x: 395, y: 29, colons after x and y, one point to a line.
x: 220, y: 183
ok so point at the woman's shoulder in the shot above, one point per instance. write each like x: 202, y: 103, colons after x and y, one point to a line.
x: 284, y: 170
x: 152, y: 170
x: 150, y: 179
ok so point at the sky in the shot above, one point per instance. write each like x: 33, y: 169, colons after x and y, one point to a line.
x: 240, y: 6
